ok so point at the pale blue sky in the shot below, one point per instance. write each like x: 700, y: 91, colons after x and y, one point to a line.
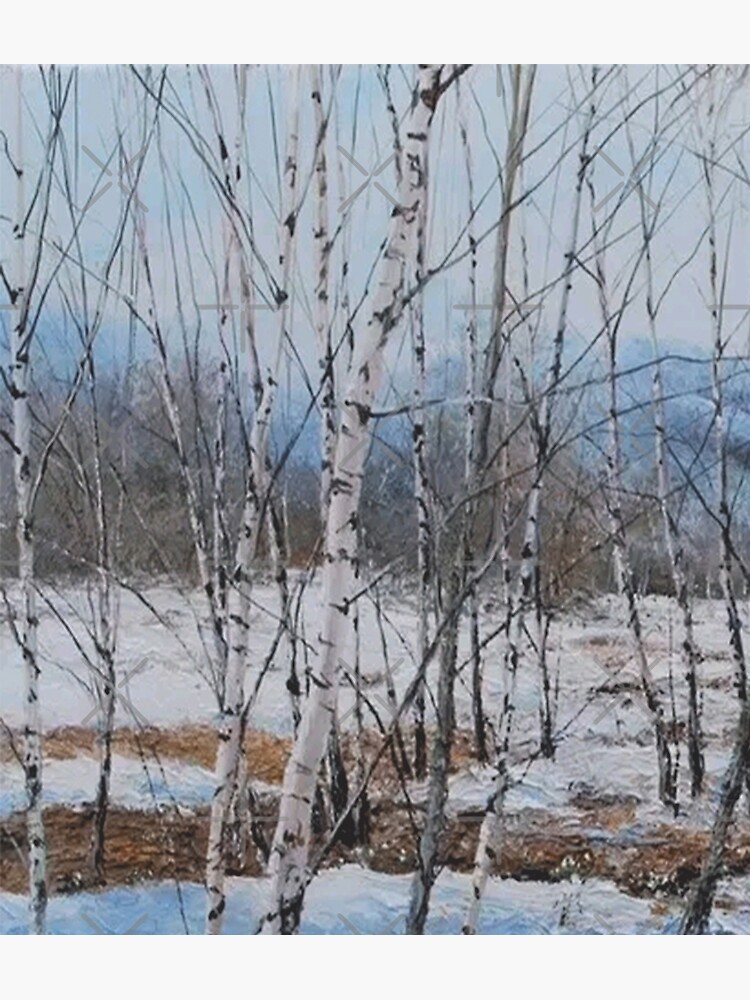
x: 111, y: 101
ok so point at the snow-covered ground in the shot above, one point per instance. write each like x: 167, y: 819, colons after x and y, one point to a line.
x: 605, y: 752
x: 351, y: 900
x: 162, y: 683
x: 135, y: 784
x: 606, y: 736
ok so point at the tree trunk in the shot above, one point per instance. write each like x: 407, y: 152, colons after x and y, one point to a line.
x: 291, y: 842
x: 518, y: 604
x: 421, y: 493
x: 20, y: 381
x: 698, y: 911
x: 104, y: 739
x: 27, y: 630
x: 256, y: 504
x: 691, y: 656
x: 429, y: 844
x: 625, y: 581
x: 700, y: 902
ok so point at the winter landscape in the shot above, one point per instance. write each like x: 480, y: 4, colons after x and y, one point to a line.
x: 374, y: 515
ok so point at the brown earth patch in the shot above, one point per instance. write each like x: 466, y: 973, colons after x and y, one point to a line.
x: 191, y: 744
x: 170, y: 844
x: 604, y: 811
x: 196, y: 744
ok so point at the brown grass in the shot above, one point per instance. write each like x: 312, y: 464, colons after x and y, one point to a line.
x: 196, y: 744
x: 192, y: 744
x: 147, y: 846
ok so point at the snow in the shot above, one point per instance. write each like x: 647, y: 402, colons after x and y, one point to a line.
x: 158, y: 663
x: 351, y: 900
x: 135, y: 784
x: 607, y: 750
x: 583, y: 766
x: 162, y: 683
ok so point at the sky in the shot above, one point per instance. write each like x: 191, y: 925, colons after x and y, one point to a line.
x: 109, y: 113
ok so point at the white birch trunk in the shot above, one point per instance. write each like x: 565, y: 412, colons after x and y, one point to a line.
x: 289, y: 854
x: 32, y: 754
x: 673, y: 540
x: 700, y: 902
x: 470, y: 462
x: 437, y: 794
x: 220, y: 583
x: 691, y: 656
x: 20, y: 382
x: 488, y: 847
x: 105, y: 641
x: 626, y: 586
x: 227, y: 770
x: 724, y: 503
x: 321, y: 264
x: 421, y: 486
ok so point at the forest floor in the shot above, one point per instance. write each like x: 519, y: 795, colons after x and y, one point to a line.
x: 596, y: 840
x: 584, y: 826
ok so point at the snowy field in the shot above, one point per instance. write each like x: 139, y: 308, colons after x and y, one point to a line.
x: 605, y: 756
x: 352, y: 900
x: 160, y: 656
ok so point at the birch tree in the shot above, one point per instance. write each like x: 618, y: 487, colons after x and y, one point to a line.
x: 490, y: 830
x: 27, y: 290
x: 697, y: 913
x: 437, y: 794
x: 421, y: 485
x: 291, y: 841
x: 471, y: 363
x: 673, y: 536
x: 614, y: 494
x: 257, y: 496
x: 21, y: 335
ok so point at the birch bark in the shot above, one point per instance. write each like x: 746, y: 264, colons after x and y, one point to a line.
x: 26, y: 631
x: 625, y: 582
x: 228, y: 768
x: 437, y: 796
x: 700, y: 902
x: 421, y: 484
x: 489, y: 835
x: 291, y: 841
